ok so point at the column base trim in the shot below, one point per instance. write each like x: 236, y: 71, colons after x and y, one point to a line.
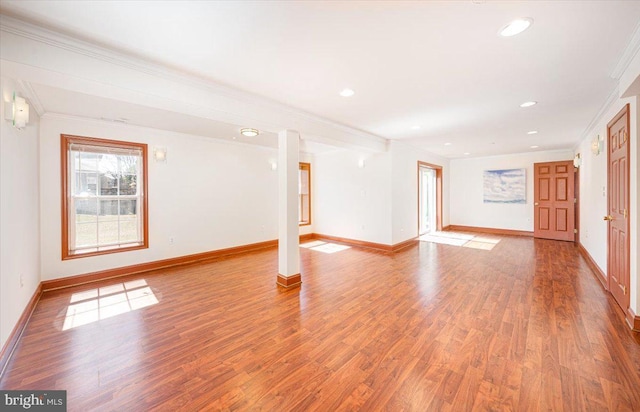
x: 289, y: 281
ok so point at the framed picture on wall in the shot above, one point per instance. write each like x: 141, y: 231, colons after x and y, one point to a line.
x: 505, y: 186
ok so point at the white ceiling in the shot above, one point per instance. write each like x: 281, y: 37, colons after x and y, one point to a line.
x: 437, y: 65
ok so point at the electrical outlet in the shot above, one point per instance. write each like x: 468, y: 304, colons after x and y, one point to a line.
x: 171, y: 240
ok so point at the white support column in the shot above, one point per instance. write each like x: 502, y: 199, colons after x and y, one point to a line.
x: 288, y: 231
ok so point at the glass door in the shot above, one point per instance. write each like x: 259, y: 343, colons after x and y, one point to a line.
x: 427, y: 200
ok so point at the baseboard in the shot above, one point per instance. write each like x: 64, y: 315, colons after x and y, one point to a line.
x: 488, y: 230
x: 10, y: 345
x: 594, y: 266
x: 354, y: 242
x: 633, y: 320
x: 158, y: 264
x: 369, y: 245
x: 405, y: 244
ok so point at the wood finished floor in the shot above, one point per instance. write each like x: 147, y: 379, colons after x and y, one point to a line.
x: 525, y: 326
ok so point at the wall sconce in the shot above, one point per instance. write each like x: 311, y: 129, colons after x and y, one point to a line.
x: 597, y: 145
x: 361, y: 163
x: 17, y: 112
x: 160, y: 154
x: 577, y: 160
x: 274, y: 165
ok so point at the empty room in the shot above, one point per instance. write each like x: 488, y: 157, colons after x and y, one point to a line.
x: 319, y: 205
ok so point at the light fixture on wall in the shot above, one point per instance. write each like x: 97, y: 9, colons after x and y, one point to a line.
x: 274, y: 165
x: 249, y: 132
x: 17, y: 112
x: 160, y: 154
x: 577, y: 160
x: 361, y: 163
x: 597, y: 145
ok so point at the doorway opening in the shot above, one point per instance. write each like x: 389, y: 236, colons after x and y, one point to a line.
x: 429, y: 198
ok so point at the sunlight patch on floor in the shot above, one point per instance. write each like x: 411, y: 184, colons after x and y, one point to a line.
x: 93, y: 305
x: 461, y: 239
x: 324, y: 247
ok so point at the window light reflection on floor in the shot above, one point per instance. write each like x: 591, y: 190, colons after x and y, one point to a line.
x: 324, y: 247
x: 93, y: 305
x: 461, y: 239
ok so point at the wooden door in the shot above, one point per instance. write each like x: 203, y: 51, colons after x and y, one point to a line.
x: 554, y: 201
x: 618, y: 210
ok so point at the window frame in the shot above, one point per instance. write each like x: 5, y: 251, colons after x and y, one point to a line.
x: 307, y: 167
x: 65, y: 142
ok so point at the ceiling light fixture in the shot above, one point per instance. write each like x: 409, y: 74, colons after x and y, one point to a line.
x: 532, y: 132
x: 249, y: 132
x: 416, y: 127
x: 466, y: 153
x: 516, y: 27
x: 528, y: 104
x: 447, y: 144
x: 534, y: 146
x: 347, y: 92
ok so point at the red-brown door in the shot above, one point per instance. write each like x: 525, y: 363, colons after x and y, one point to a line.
x: 554, y: 201
x: 618, y: 210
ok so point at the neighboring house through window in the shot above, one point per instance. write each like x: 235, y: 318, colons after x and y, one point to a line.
x: 304, y: 194
x: 104, y: 199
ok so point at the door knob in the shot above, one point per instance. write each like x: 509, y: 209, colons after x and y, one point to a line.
x: 608, y: 217
x: 536, y: 204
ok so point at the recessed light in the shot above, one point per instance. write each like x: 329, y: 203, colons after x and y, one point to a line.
x: 516, y: 27
x: 347, y: 92
x: 416, y: 127
x: 528, y: 104
x: 532, y: 132
x: 447, y: 144
x: 249, y: 132
x: 466, y: 153
x: 534, y: 146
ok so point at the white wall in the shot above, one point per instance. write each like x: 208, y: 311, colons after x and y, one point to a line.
x: 405, y: 189
x: 19, y: 218
x: 466, y: 198
x: 210, y: 194
x: 350, y: 201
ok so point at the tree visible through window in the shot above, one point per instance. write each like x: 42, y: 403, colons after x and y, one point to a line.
x: 304, y: 194
x: 104, y: 196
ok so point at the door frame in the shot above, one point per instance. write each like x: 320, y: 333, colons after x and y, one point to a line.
x: 438, y: 170
x: 627, y: 264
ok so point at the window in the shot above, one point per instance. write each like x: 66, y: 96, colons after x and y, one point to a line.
x: 104, y: 201
x: 304, y: 194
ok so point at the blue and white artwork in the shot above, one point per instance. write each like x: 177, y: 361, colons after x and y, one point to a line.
x: 505, y: 186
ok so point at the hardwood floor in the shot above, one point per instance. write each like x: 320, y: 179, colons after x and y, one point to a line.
x: 525, y: 326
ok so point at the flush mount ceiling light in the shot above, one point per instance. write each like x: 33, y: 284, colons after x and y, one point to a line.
x: 466, y: 153
x: 416, y: 127
x: 447, y: 144
x: 249, y: 132
x: 528, y: 104
x: 534, y: 146
x: 532, y: 132
x: 347, y: 92
x: 516, y: 27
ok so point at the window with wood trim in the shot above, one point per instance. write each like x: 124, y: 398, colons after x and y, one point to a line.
x: 304, y: 194
x: 104, y: 196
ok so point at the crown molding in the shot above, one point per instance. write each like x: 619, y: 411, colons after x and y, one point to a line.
x: 611, y: 99
x: 627, y: 55
x: 55, y: 38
